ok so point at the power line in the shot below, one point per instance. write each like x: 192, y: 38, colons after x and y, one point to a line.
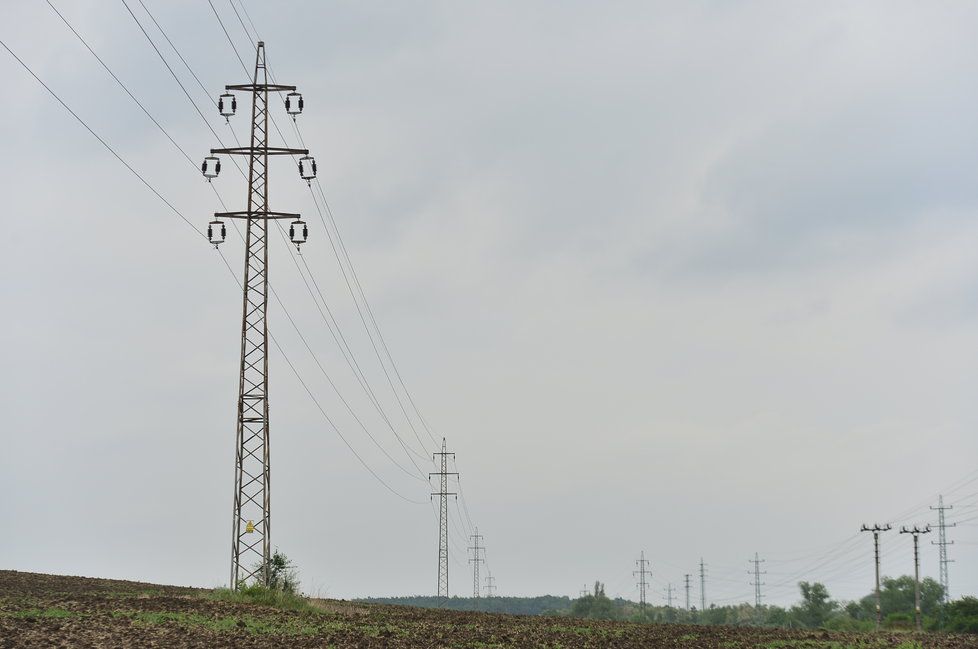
x: 103, y: 142
x: 182, y: 217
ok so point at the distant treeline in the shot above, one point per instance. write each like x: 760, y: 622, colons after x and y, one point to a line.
x: 542, y: 605
x: 816, y: 609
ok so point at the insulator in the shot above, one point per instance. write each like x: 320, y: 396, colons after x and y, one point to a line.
x: 227, y: 105
x: 307, y: 167
x: 298, y: 232
x: 293, y: 104
x: 211, y: 167
x: 216, y: 232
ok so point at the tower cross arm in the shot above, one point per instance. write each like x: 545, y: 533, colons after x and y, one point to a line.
x: 267, y: 150
x: 252, y: 87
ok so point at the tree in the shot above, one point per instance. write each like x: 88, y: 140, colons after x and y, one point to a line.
x: 596, y: 606
x: 897, y: 596
x: 816, y: 607
x: 962, y: 615
x: 282, y: 573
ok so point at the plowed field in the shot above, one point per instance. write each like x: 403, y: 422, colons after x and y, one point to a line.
x: 52, y: 611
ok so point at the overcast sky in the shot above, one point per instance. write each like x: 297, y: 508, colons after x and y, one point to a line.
x: 693, y: 278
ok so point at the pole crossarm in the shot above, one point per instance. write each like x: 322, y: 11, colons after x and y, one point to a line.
x: 260, y: 87
x: 264, y: 214
x: 263, y: 150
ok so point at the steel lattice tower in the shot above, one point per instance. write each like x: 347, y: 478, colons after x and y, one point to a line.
x: 687, y: 576
x: 757, y: 583
x: 490, y: 585
x: 641, y: 572
x: 942, y: 544
x: 251, y: 526
x: 475, y: 561
x: 702, y: 585
x: 443, y: 493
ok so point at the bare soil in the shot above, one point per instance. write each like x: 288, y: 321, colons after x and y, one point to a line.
x: 53, y: 611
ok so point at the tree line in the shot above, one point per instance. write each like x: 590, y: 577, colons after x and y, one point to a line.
x: 815, y: 609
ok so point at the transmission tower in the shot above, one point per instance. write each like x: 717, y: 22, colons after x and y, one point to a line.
x: 942, y: 544
x: 702, y: 585
x: 876, y: 529
x: 641, y: 572
x: 687, y: 576
x: 757, y: 583
x: 475, y: 561
x: 916, y: 532
x: 251, y: 530
x: 669, y: 594
x: 443, y: 493
x: 490, y: 585
x: 585, y: 591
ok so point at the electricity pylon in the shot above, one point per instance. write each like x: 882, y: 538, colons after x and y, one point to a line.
x: 251, y: 531
x: 475, y: 561
x: 757, y: 583
x: 942, y: 544
x: 687, y: 576
x: 702, y: 585
x: 876, y: 529
x: 490, y: 586
x: 669, y: 594
x: 641, y: 572
x: 916, y: 532
x: 443, y: 493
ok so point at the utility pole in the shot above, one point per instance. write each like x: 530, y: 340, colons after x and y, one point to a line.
x: 251, y: 529
x: 490, y: 585
x: 916, y: 532
x: 475, y: 561
x: 876, y: 529
x: 443, y: 493
x: 687, y: 576
x: 942, y: 544
x: 641, y: 572
x: 757, y: 583
x: 702, y: 585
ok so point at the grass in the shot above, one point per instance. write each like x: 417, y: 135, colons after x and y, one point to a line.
x: 264, y: 596
x: 39, y: 612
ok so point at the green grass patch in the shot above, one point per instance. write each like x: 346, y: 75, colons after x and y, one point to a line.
x: 246, y: 623
x: 41, y: 612
x: 265, y: 597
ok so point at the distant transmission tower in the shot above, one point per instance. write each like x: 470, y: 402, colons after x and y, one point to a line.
x: 443, y: 493
x: 641, y: 572
x: 475, y: 561
x: 669, y: 594
x: 702, y: 585
x: 916, y: 532
x: 687, y: 576
x: 251, y: 530
x: 876, y: 529
x: 942, y: 544
x: 585, y: 591
x: 757, y: 583
x: 490, y: 585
